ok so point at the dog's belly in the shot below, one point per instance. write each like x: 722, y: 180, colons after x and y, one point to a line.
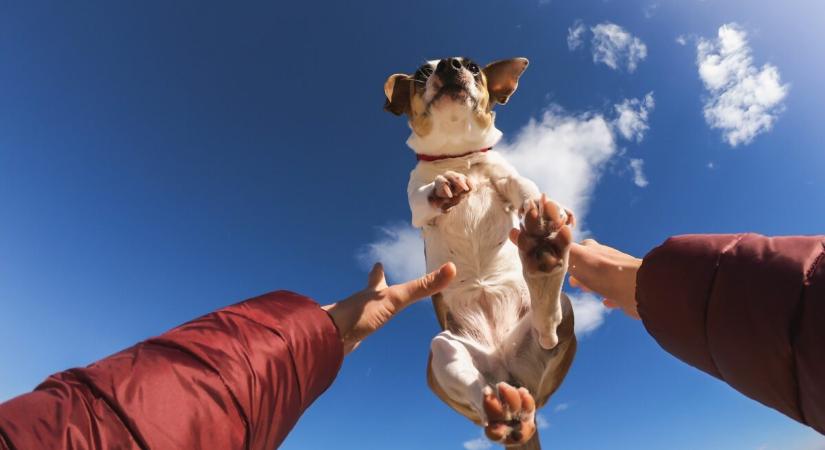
x: 488, y: 295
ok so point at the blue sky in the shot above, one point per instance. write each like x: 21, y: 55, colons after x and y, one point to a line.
x: 159, y: 160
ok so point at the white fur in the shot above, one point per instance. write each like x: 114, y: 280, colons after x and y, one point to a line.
x: 488, y: 298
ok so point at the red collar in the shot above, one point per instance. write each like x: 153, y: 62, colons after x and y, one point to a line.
x: 421, y: 157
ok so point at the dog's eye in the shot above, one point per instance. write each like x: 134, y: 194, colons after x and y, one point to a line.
x: 473, y: 68
x: 423, y: 72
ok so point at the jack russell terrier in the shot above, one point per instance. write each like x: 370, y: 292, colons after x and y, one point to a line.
x: 508, y: 337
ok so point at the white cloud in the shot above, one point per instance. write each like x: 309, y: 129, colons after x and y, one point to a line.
x: 616, y: 48
x: 744, y: 101
x: 639, y: 179
x: 649, y: 10
x: 481, y: 443
x: 681, y: 39
x: 400, y: 250
x: 575, y: 35
x: 632, y: 117
x: 564, y: 154
x: 588, y: 311
x: 541, y: 422
x: 561, y: 407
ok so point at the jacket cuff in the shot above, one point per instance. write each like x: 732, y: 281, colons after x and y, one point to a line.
x: 672, y: 294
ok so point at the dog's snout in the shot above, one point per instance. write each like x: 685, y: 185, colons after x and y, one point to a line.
x: 448, y: 66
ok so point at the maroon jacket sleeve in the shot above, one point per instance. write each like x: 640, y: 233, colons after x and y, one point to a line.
x: 747, y: 309
x: 238, y: 378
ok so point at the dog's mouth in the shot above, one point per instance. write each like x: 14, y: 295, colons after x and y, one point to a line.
x: 453, y: 91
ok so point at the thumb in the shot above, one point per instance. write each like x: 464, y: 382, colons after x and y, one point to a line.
x: 376, y: 279
x: 432, y: 283
x: 514, y: 234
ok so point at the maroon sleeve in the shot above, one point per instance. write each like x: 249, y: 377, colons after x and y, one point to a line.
x: 238, y: 378
x: 747, y: 309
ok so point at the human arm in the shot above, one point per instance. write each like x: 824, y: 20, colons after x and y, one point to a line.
x: 238, y: 378
x: 745, y: 308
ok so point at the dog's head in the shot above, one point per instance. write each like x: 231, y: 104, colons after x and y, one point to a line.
x: 452, y: 90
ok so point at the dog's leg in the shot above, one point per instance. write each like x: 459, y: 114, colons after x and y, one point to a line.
x: 456, y: 374
x: 427, y: 201
x: 544, y: 244
x: 540, y: 370
x: 518, y: 191
x: 507, y: 413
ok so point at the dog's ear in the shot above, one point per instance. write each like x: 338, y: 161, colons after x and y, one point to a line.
x: 397, y: 90
x: 502, y: 78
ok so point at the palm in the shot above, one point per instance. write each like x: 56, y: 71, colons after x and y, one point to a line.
x: 366, y: 311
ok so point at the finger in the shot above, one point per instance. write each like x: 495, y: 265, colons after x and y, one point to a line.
x: 432, y: 283
x: 578, y: 284
x: 571, y: 219
x: 376, y: 278
x: 514, y: 235
x: 577, y: 248
x: 610, y: 304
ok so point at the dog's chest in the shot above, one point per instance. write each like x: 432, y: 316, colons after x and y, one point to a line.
x: 481, y: 220
x: 473, y: 234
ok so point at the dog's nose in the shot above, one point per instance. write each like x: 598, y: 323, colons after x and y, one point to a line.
x: 449, y: 66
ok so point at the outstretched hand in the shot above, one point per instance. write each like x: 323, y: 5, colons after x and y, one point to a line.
x: 607, y: 272
x: 362, y: 313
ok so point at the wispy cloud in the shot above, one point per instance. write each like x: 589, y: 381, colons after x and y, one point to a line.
x: 588, y: 311
x: 541, y: 422
x: 564, y: 154
x: 561, y: 407
x: 479, y: 443
x: 649, y: 10
x: 575, y: 35
x: 617, y: 48
x: 401, y: 251
x: 639, y: 179
x: 681, y: 39
x: 632, y: 117
x: 744, y: 101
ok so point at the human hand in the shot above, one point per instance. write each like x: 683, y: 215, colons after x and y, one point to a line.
x: 360, y: 314
x: 607, y: 272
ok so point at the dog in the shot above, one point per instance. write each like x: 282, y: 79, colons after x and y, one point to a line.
x: 507, y: 341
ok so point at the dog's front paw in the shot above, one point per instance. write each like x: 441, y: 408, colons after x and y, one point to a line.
x: 511, y: 414
x: 545, y: 236
x: 449, y: 189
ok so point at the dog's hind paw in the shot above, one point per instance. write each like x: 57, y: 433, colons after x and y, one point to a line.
x: 511, y: 414
x: 544, y: 237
